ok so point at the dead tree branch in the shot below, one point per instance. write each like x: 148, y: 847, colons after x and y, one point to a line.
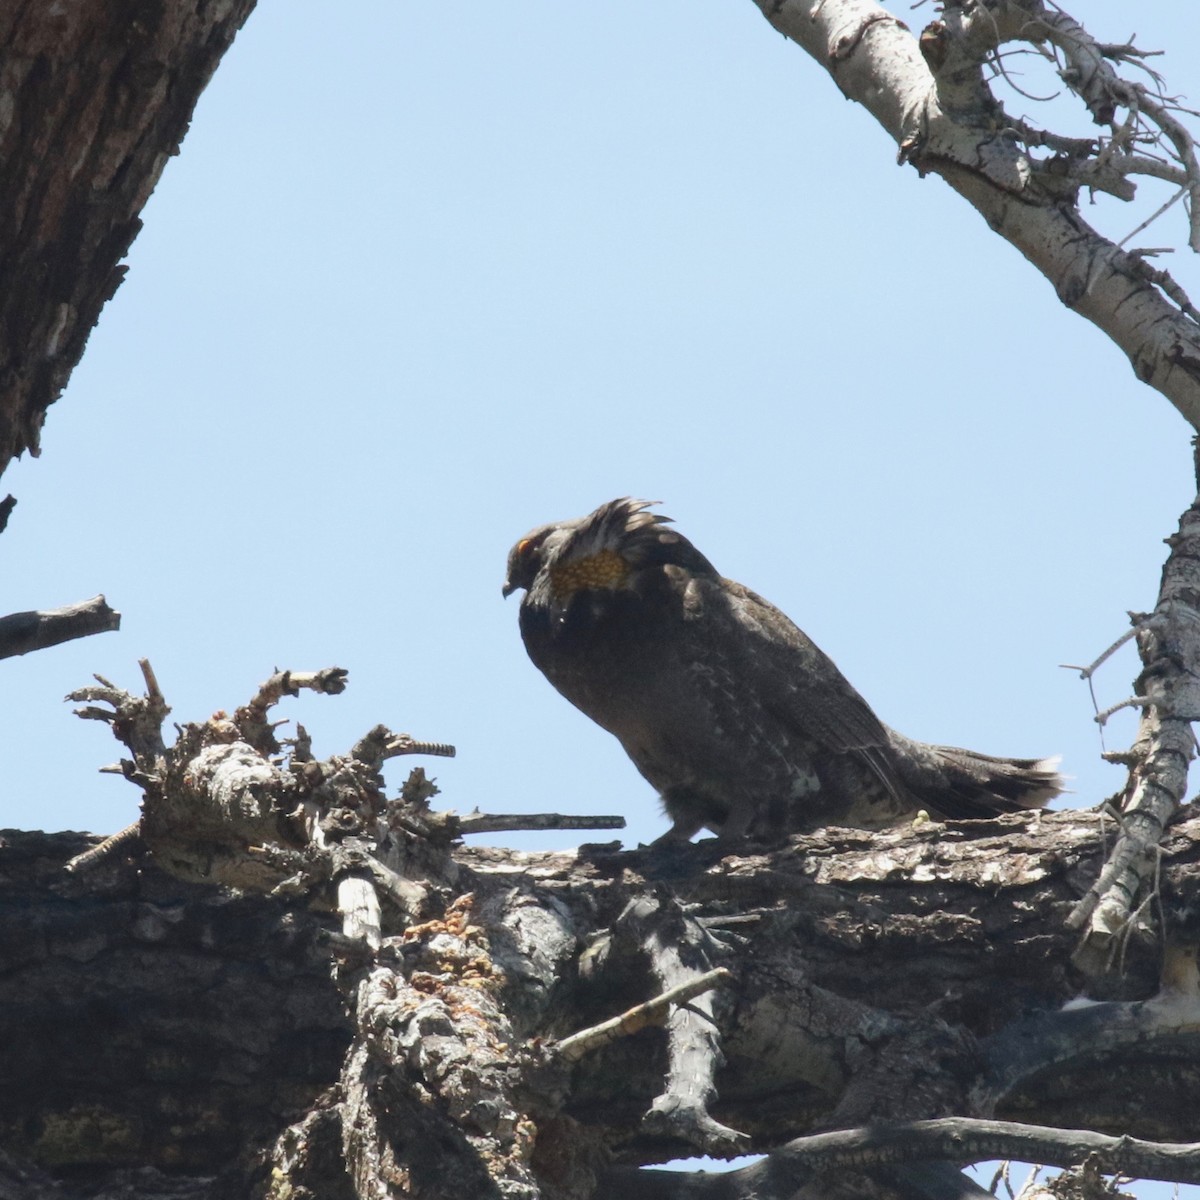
x: 477, y: 822
x: 1168, y: 690
x: 222, y: 804
x: 914, y: 974
x: 953, y: 1139
x: 21, y: 633
x: 934, y: 97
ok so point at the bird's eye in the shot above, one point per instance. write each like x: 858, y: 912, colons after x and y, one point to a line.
x: 524, y: 545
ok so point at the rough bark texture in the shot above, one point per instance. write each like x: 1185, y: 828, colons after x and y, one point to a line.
x: 152, y: 1023
x: 156, y: 1024
x: 94, y: 98
x: 380, y: 1011
x: 463, y: 1043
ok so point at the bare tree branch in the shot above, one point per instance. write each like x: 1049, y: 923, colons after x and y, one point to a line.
x: 477, y: 822
x: 1169, y: 691
x: 934, y: 100
x: 652, y: 1012
x: 22, y: 633
x: 955, y: 1139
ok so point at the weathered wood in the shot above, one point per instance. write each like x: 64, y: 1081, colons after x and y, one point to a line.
x: 147, y: 1023
x: 855, y: 956
x: 920, y: 973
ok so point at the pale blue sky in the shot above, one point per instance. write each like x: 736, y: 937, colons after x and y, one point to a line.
x: 423, y: 278
x: 426, y: 276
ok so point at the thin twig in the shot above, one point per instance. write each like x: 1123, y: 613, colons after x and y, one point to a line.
x: 1158, y: 212
x: 1090, y: 670
x: 106, y: 849
x: 478, y: 822
x: 652, y: 1012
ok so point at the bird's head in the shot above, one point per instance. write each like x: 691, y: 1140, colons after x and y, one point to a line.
x: 601, y: 550
x: 525, y: 559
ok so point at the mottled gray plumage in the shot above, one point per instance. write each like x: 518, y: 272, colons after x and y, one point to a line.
x: 738, y: 719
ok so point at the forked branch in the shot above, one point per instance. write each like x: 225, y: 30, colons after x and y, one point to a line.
x: 936, y: 98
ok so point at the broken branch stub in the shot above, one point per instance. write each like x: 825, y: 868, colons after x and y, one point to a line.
x: 23, y: 632
x: 224, y: 805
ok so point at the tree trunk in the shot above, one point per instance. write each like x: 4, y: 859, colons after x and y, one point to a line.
x: 94, y: 98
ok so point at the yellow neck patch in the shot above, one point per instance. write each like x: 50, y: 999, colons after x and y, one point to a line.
x: 607, y: 569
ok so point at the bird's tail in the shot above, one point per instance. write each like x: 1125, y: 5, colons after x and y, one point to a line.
x: 963, y: 785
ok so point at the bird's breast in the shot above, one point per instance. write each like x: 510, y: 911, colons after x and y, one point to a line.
x: 605, y: 650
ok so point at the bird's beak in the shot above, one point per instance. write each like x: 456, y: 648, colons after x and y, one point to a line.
x: 508, y: 589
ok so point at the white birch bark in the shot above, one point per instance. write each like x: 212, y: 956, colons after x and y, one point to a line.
x: 932, y: 96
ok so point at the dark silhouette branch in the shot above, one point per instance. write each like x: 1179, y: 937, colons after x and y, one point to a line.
x: 24, y: 632
x: 477, y: 822
x: 954, y: 1139
x: 98, y: 98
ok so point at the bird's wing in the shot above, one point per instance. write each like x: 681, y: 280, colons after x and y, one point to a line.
x: 800, y: 684
x: 797, y: 680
